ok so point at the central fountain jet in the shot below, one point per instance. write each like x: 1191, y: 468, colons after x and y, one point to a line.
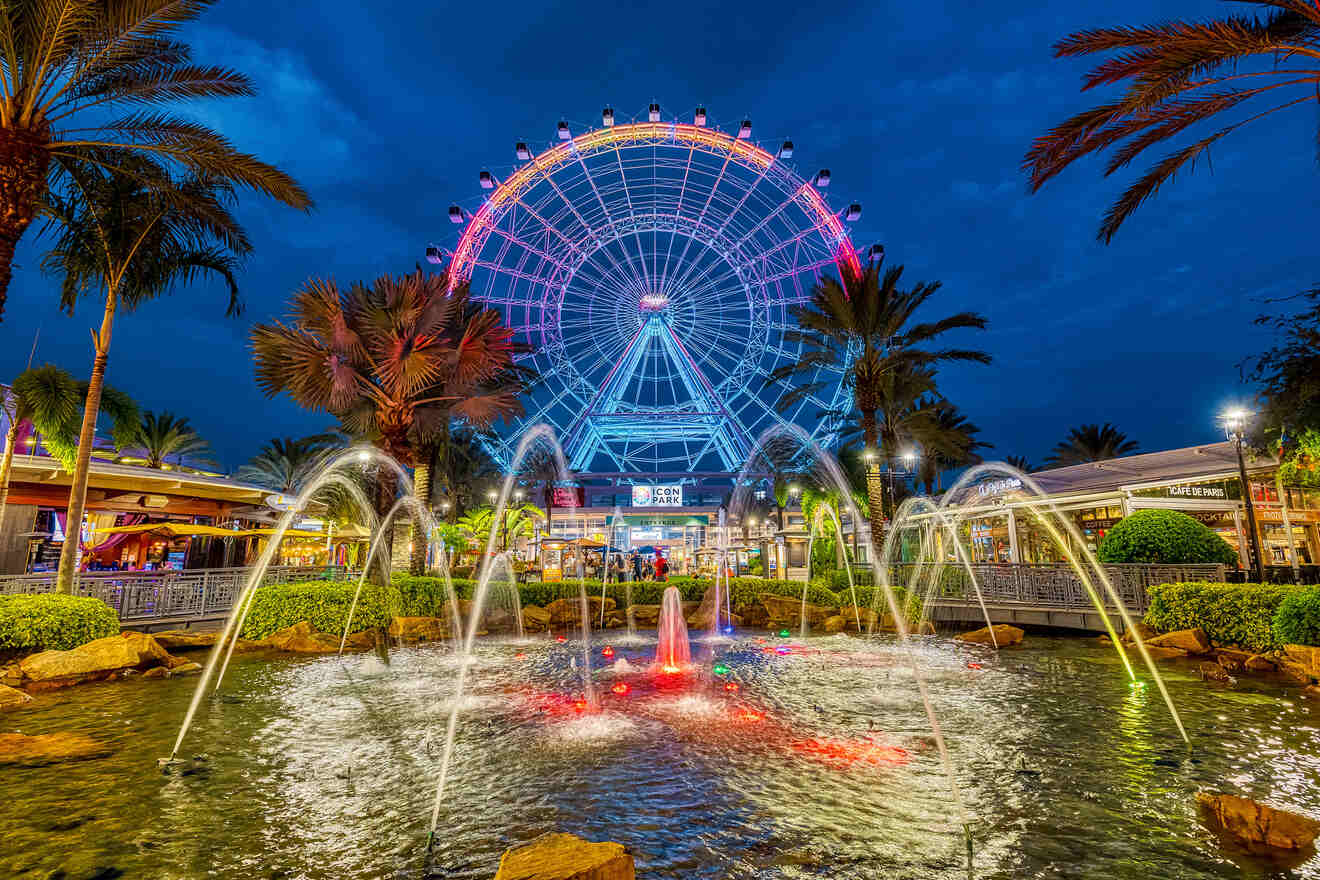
x: 672, y: 654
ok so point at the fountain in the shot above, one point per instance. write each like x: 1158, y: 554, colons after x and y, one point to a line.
x: 673, y: 653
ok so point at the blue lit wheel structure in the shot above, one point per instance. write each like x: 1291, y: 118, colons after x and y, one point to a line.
x: 652, y: 266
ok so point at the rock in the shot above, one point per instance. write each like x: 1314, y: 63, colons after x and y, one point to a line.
x: 1139, y: 628
x: 752, y: 614
x: 1158, y: 653
x: 186, y: 669
x: 1259, y: 663
x: 417, y: 629
x: 1253, y: 823
x: 1193, y: 641
x: 301, y: 639
x: 835, y: 624
x: 49, y: 748
x: 11, y: 675
x: 185, y: 639
x: 1227, y: 663
x: 646, y: 615
x: 535, y: 618
x: 566, y: 857
x: 1294, y: 672
x: 1214, y: 672
x: 12, y: 698
x: 1311, y: 692
x: 363, y: 640
x: 499, y: 620
x: 564, y: 612
x: 1004, y: 635
x: 94, y: 660
x: 157, y: 672
x: 616, y: 618
x: 927, y: 628
x: 1305, y: 656
x: 784, y: 611
x: 851, y: 614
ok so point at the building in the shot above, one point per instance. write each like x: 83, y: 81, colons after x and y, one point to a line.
x: 1201, y: 481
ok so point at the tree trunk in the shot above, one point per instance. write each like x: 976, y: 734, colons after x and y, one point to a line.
x: 7, y: 465
x: 78, y: 491
x: 875, y: 487
x: 24, y: 161
x: 422, y: 490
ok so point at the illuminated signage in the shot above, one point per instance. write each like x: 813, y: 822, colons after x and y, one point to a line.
x: 1204, y: 491
x: 657, y: 496
x: 567, y: 496
x: 999, y: 487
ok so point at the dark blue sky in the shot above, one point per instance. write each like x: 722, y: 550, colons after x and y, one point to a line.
x: 386, y: 111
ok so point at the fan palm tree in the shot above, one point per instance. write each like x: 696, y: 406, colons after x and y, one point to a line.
x: 862, y: 324
x: 131, y: 239
x: 167, y: 436
x: 81, y: 82
x: 1176, y: 75
x: 462, y: 469
x: 396, y: 362
x: 51, y: 400
x: 284, y: 464
x: 1020, y: 462
x: 1091, y: 443
x: 947, y: 439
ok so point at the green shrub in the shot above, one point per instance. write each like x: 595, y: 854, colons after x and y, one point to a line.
x: 1230, y: 614
x: 324, y: 604
x: 52, y: 621
x: 1297, y: 621
x: 1164, y: 536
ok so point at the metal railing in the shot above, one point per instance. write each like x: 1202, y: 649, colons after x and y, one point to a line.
x: 1054, y: 585
x: 142, y: 595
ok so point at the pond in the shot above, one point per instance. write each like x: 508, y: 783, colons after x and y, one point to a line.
x: 818, y: 762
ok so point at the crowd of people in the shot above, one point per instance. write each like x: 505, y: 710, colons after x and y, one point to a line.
x: 621, y: 566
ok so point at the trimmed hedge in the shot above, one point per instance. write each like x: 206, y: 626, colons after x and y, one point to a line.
x: 1164, y: 536
x: 324, y: 604
x: 1230, y: 614
x: 428, y: 597
x: 53, y: 622
x: 1297, y: 622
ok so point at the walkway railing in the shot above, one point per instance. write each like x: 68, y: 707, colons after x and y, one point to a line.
x: 142, y: 595
x: 1054, y: 585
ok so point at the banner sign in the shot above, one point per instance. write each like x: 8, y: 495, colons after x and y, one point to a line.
x: 657, y: 496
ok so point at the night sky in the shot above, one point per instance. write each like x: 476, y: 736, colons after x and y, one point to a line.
x: 386, y: 111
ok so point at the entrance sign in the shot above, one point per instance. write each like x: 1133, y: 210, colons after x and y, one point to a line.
x: 657, y: 496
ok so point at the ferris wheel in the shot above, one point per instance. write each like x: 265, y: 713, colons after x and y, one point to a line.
x: 651, y: 266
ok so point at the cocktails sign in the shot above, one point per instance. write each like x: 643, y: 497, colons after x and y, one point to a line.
x: 657, y: 496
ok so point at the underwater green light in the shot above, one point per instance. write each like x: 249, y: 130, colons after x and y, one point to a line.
x: 721, y: 669
x: 783, y: 633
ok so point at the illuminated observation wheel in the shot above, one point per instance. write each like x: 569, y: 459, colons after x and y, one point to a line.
x: 652, y: 266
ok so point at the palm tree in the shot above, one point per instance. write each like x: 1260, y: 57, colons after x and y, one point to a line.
x: 80, y: 81
x: 132, y: 239
x: 1090, y: 443
x: 284, y: 464
x: 1178, y: 74
x: 52, y: 401
x: 947, y: 439
x: 167, y: 435
x: 462, y: 469
x: 862, y: 324
x: 1020, y: 462
x: 396, y: 362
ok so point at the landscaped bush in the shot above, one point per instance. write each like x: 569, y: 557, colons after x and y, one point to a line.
x: 324, y: 604
x: 1230, y: 614
x: 52, y: 621
x: 1297, y: 622
x: 428, y: 596
x: 1164, y: 536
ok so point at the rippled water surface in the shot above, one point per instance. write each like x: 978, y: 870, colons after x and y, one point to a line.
x: 820, y: 764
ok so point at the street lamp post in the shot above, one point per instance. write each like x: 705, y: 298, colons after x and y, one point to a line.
x: 1235, y: 425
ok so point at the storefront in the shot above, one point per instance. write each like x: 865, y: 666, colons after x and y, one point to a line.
x: 1003, y: 520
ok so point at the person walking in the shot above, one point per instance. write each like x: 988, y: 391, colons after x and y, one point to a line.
x: 661, y: 567
x: 636, y: 566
